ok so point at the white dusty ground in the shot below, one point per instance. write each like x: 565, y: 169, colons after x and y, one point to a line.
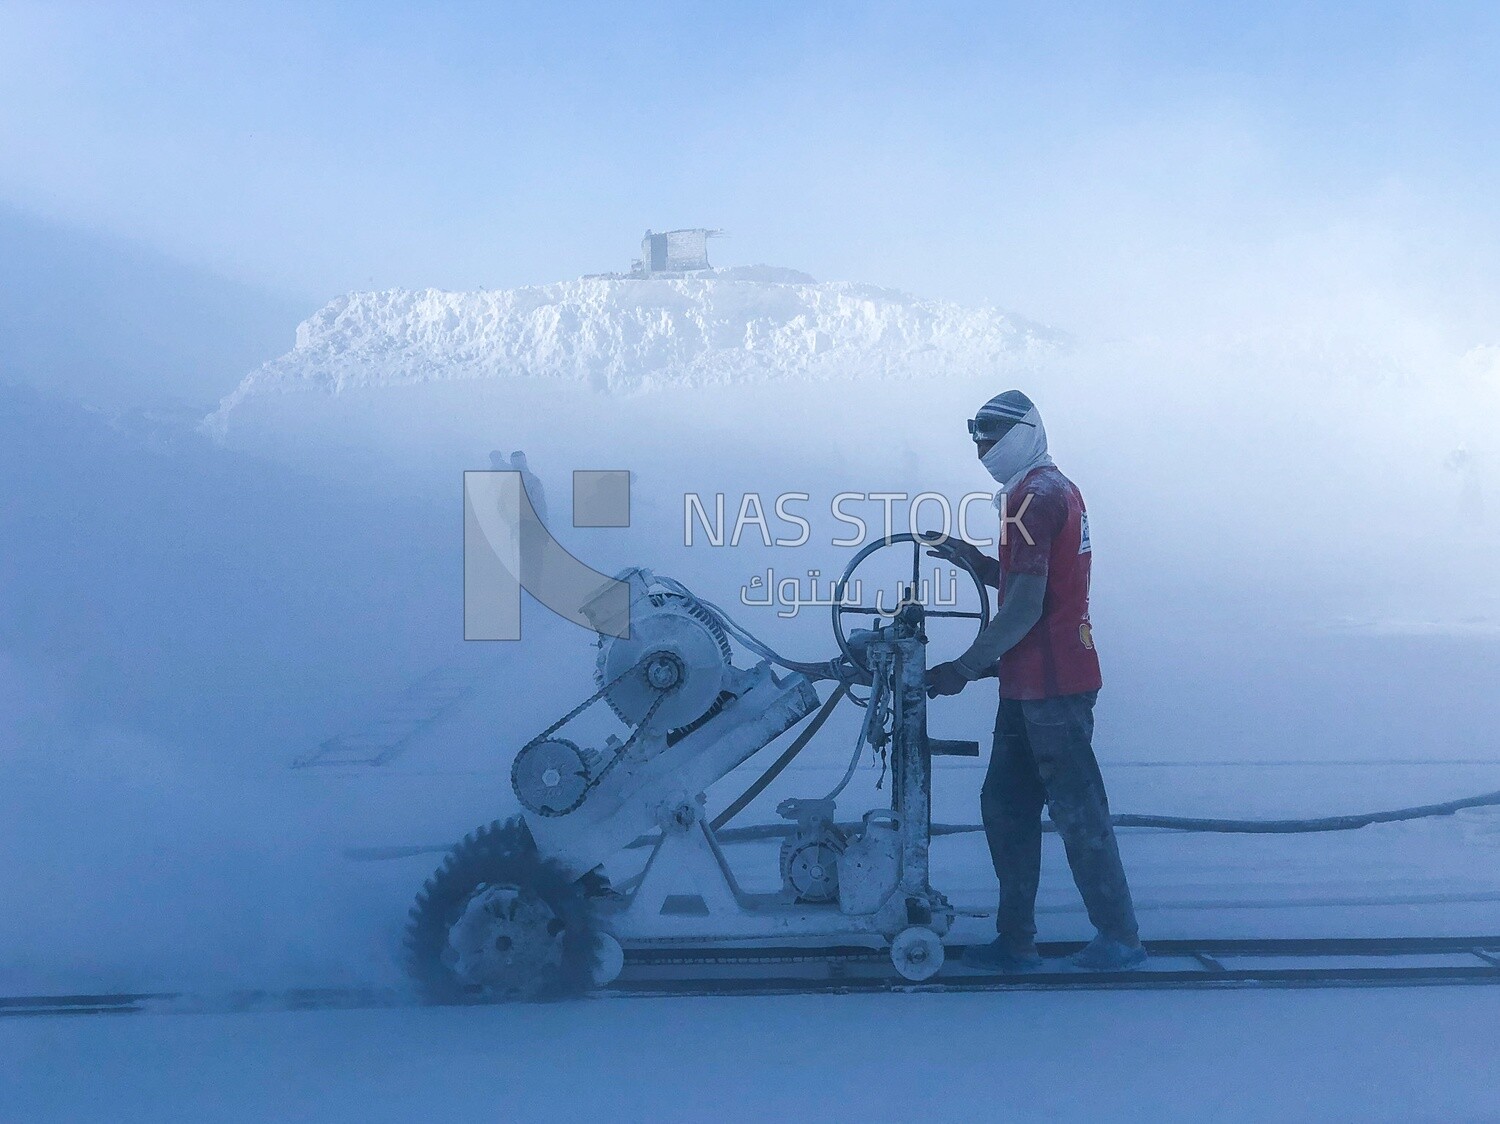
x: 288, y: 886
x: 249, y: 874
x: 1365, y: 1055
x: 334, y: 913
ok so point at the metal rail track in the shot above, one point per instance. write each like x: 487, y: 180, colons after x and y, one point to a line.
x: 669, y: 971
x: 1306, y: 963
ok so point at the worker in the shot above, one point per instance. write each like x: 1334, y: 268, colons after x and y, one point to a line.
x: 534, y: 536
x: 1041, y: 646
x: 529, y: 480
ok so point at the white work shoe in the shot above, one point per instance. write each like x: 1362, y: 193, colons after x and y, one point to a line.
x: 1106, y: 954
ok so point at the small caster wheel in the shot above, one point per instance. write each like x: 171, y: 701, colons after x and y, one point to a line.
x: 917, y: 953
x: 609, y: 960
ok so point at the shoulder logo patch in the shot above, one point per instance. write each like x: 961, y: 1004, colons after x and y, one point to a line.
x: 1084, y: 546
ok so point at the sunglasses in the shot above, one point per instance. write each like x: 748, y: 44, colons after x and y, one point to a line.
x: 991, y: 429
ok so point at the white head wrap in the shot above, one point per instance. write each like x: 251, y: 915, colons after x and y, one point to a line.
x: 1022, y: 445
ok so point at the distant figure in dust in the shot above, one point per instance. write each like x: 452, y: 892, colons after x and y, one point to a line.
x: 1466, y: 466
x: 1040, y: 646
x: 534, y: 534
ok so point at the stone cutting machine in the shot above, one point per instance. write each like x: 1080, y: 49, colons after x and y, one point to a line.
x: 522, y: 908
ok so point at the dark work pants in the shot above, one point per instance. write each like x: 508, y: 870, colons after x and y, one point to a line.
x: 1044, y: 756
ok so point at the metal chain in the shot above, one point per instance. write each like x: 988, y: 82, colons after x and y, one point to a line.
x: 579, y: 709
x: 624, y: 748
x: 558, y: 725
x: 594, y: 781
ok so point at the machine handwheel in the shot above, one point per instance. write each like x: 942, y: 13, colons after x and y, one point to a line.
x: 917, y: 953
x: 943, y: 549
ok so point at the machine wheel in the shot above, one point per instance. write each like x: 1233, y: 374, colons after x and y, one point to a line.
x: 498, y: 922
x: 917, y: 953
x: 610, y: 960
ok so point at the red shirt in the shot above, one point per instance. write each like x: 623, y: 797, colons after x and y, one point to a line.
x: 1057, y: 656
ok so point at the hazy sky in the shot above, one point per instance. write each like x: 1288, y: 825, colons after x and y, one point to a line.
x: 1087, y: 164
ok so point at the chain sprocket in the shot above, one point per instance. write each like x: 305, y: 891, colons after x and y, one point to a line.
x: 518, y: 779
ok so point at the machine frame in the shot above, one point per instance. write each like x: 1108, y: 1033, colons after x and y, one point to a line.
x: 877, y: 892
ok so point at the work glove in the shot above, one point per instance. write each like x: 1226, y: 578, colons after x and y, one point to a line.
x: 946, y: 679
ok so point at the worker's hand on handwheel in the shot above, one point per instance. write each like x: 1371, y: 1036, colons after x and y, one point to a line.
x: 946, y: 679
x: 955, y: 548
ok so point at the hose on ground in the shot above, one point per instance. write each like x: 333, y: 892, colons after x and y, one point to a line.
x: 760, y: 832
x: 1306, y: 826
x: 1353, y: 822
